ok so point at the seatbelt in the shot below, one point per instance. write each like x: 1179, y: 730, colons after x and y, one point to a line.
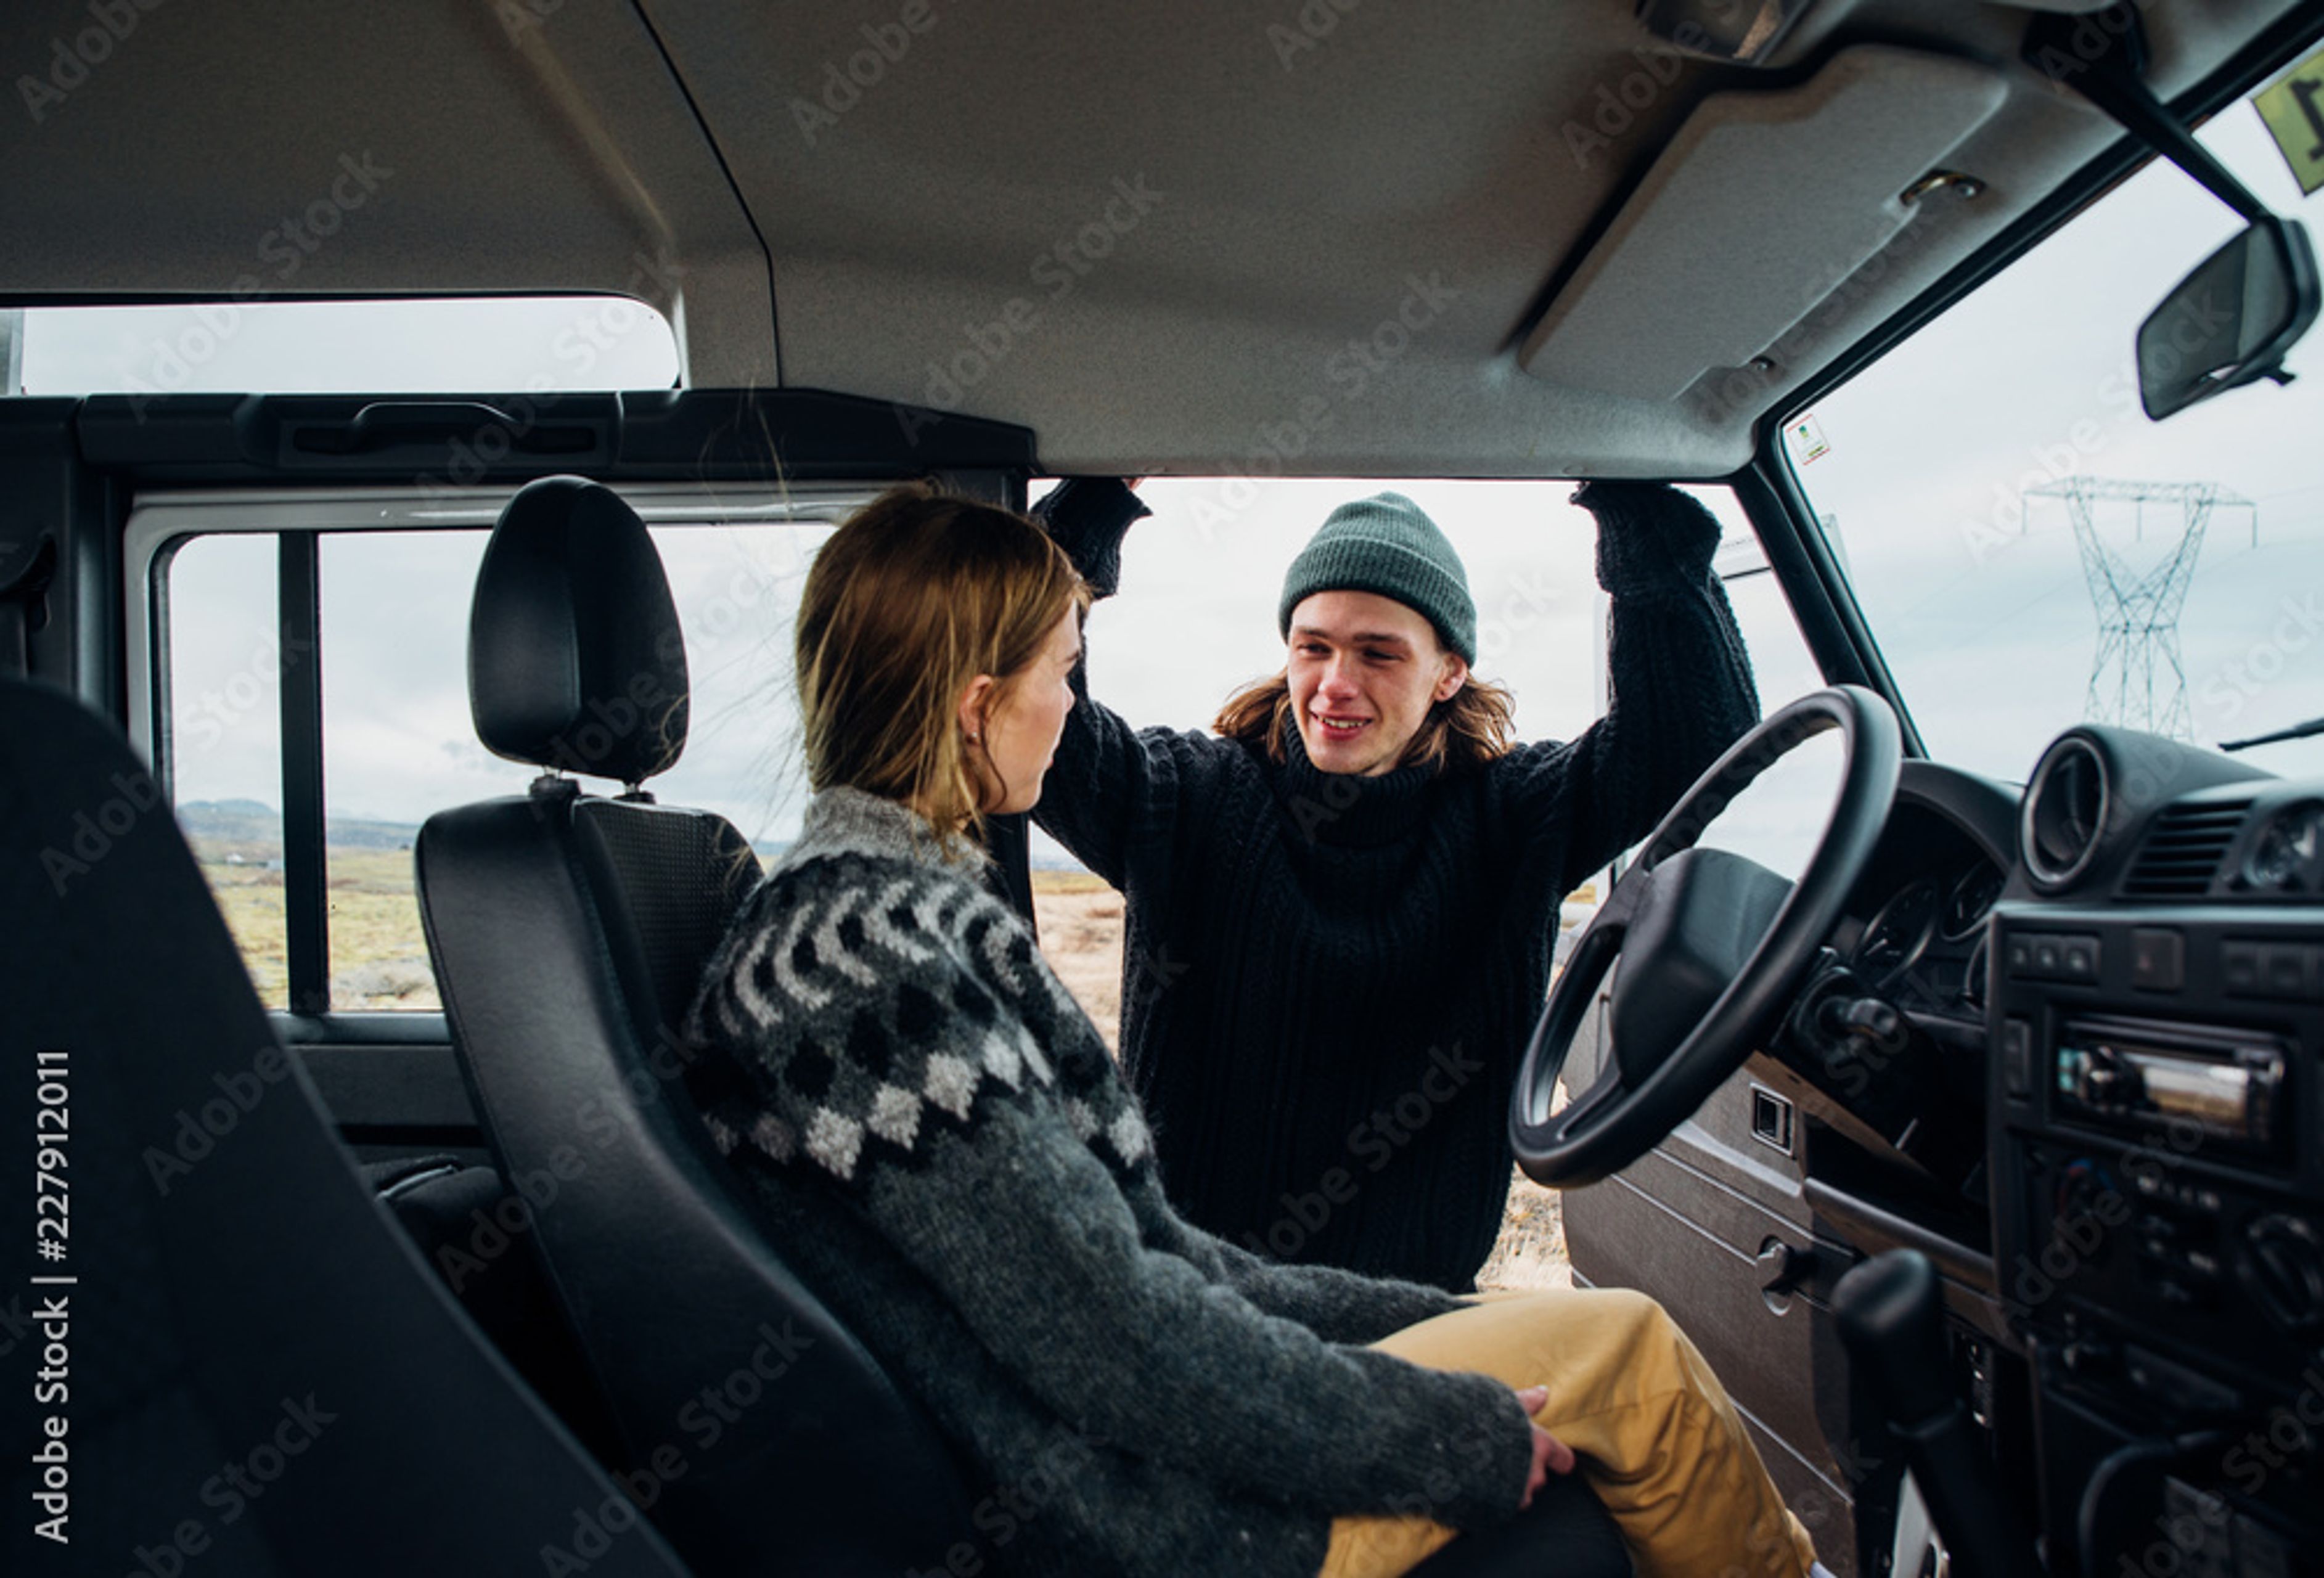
x: 24, y: 609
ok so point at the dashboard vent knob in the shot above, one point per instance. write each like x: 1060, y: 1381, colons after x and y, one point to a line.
x: 2282, y: 1265
x: 2065, y: 813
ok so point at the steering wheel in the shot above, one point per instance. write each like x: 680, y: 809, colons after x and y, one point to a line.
x: 1718, y: 945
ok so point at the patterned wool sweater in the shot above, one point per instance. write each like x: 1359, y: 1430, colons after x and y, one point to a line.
x: 1329, y: 980
x: 944, y: 1148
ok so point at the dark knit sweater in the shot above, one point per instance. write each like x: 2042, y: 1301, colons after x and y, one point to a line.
x: 1329, y: 981
x: 945, y: 1151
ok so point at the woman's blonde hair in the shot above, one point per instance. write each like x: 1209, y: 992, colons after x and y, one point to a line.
x: 910, y: 600
x: 1470, y: 729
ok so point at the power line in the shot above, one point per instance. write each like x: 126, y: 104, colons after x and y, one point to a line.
x: 2135, y: 676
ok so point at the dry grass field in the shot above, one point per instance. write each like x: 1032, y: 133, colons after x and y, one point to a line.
x: 379, y: 960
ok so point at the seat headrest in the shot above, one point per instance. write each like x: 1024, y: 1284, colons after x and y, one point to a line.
x: 575, y: 660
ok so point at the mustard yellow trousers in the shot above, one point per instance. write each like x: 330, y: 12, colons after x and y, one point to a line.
x: 1654, y: 1431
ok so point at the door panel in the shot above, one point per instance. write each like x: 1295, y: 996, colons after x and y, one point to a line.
x: 1688, y: 1223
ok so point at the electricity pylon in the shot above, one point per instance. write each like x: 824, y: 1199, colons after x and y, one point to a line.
x: 2135, y: 678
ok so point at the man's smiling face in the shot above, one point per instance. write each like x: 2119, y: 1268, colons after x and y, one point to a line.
x: 1364, y: 669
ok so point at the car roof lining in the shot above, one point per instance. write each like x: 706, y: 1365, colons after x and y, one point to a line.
x: 1330, y: 264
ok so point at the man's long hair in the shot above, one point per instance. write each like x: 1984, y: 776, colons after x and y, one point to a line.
x: 1470, y: 730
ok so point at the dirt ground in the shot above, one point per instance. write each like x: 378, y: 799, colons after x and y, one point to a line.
x: 1081, y: 933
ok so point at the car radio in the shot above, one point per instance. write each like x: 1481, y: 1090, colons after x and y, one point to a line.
x: 2128, y: 1075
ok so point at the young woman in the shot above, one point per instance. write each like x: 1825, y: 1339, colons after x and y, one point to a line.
x: 948, y: 1152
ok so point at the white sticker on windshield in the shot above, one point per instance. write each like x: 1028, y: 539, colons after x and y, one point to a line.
x: 1806, y: 439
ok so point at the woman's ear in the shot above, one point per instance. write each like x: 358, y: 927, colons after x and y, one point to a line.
x: 1455, y: 675
x: 974, y: 701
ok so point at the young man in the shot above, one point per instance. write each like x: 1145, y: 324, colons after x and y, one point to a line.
x: 1340, y: 906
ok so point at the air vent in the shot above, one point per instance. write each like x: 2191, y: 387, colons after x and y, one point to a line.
x: 2065, y: 812
x: 2183, y: 849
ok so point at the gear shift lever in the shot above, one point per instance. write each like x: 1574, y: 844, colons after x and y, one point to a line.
x: 1892, y: 1325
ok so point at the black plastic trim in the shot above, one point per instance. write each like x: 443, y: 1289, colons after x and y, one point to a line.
x: 1823, y: 602
x: 306, y: 914
x: 453, y: 441
x: 1871, y: 1229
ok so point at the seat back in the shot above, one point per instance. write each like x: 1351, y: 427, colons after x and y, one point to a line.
x: 255, y: 1372
x: 568, y: 932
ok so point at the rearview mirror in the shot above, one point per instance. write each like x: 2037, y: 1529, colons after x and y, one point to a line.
x: 2231, y: 320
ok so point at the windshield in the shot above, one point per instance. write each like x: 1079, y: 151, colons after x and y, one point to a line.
x: 2031, y: 552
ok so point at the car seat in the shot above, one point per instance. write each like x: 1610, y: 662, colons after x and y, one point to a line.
x: 247, y: 1369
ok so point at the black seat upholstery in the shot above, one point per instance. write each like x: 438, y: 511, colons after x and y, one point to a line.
x: 567, y: 933
x: 475, y: 1232
x: 255, y: 1373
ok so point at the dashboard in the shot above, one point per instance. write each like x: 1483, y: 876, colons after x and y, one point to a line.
x: 1919, y: 936
x: 2093, y: 1018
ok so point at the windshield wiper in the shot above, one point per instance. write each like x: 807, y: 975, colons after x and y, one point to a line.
x: 2296, y: 731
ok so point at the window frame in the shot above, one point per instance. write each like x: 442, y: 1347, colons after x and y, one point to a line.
x: 1841, y: 636
x: 164, y: 520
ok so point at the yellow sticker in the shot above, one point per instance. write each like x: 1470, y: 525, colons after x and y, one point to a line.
x: 2293, y: 109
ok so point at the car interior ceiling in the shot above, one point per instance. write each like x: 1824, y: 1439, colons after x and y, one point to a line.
x: 655, y: 151
x: 1583, y: 286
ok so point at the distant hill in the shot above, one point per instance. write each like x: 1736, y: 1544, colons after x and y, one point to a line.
x: 252, y: 830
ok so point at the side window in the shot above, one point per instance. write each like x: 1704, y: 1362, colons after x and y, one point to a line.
x: 223, y: 677
x: 1776, y: 821
x: 396, y: 741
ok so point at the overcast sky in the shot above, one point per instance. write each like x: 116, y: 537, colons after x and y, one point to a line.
x: 1990, y: 628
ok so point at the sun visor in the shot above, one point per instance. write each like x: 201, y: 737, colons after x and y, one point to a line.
x: 1761, y: 205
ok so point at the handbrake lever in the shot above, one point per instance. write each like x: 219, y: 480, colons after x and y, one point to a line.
x: 1892, y: 1323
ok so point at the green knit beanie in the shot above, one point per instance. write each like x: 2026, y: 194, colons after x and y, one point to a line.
x: 1386, y: 544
